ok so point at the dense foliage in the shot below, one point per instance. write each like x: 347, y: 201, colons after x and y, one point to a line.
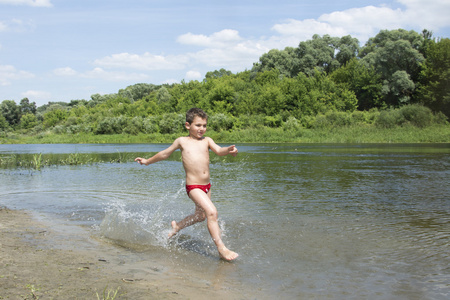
x: 399, y: 77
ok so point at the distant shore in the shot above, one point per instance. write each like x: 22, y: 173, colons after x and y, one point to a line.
x: 350, y: 134
x: 37, y: 263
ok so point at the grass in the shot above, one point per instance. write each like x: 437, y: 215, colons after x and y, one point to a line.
x: 344, y: 134
x: 38, y: 161
x: 108, y: 295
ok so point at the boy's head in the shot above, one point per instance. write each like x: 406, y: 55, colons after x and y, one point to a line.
x: 195, y: 112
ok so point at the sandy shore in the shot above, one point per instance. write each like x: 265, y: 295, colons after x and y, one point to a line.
x: 38, y: 262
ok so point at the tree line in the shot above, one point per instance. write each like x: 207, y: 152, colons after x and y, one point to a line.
x: 398, y: 76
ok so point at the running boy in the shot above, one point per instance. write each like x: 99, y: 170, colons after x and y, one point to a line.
x: 195, y: 156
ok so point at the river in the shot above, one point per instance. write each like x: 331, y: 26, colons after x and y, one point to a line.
x: 310, y: 221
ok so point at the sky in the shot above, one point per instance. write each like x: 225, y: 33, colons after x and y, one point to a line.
x: 63, y: 50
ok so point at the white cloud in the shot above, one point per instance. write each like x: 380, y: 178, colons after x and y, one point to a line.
x: 37, y: 95
x: 227, y: 49
x: 193, y: 75
x: 431, y: 14
x: 366, y: 22
x: 224, y: 49
x: 16, y: 25
x: 304, y: 29
x: 170, y: 81
x: 3, y: 26
x: 9, y: 73
x: 99, y: 73
x: 146, y: 61
x: 36, y: 3
x: 67, y: 71
x: 217, y: 39
x: 233, y: 57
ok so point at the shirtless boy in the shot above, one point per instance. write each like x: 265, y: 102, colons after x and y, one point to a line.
x: 195, y: 156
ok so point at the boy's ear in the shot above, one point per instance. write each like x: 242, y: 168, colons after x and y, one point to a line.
x: 187, y: 125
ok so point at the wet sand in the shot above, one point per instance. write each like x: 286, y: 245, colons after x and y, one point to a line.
x: 39, y: 262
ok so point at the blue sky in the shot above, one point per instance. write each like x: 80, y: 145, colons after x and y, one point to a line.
x: 62, y: 50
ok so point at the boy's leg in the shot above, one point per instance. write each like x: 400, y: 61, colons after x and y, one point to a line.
x: 204, y: 202
x: 197, y: 216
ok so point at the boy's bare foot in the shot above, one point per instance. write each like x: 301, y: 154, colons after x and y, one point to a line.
x: 227, y: 254
x: 175, y: 229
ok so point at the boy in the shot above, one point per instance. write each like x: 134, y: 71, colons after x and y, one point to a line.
x: 195, y: 156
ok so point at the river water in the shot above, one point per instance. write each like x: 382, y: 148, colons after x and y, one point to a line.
x: 310, y: 221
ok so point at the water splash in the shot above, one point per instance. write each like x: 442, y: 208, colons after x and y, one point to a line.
x: 142, y: 223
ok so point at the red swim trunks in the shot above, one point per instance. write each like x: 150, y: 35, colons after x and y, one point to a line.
x: 204, y: 188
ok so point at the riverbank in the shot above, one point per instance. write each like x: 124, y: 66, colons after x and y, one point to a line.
x: 38, y: 261
x: 345, y: 134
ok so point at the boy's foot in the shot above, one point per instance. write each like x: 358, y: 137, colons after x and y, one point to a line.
x: 227, y: 254
x: 175, y: 229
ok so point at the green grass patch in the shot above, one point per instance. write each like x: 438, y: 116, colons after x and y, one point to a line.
x: 339, y: 134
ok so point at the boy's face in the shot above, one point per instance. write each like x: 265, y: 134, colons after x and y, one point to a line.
x: 197, y: 128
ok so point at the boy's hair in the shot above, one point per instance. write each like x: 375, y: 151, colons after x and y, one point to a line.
x: 195, y: 112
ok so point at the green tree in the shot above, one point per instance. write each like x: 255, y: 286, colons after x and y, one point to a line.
x: 325, y: 53
x: 435, y: 76
x: 27, y: 107
x: 395, y: 55
x: 399, y: 88
x: 137, y: 91
x: 217, y: 74
x: 28, y: 121
x: 364, y: 81
x: 3, y: 123
x: 319, y: 94
x: 54, y: 117
x: 285, y: 61
x: 272, y: 100
x: 11, y: 112
x: 221, y: 97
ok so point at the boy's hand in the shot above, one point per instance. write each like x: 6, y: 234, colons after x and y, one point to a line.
x: 140, y: 160
x: 232, y: 150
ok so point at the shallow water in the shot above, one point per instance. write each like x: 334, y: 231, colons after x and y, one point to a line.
x: 308, y: 220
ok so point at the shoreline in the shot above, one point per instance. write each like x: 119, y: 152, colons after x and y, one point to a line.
x: 359, y: 134
x: 37, y: 261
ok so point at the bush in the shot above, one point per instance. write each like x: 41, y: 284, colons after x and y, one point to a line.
x: 72, y: 129
x: 219, y: 122
x: 250, y: 121
x: 359, y: 117
x: 417, y: 115
x: 320, y: 122
x: 3, y: 123
x: 333, y: 119
x: 28, y: 121
x: 390, y: 119
x: 54, y: 117
x: 338, y: 118
x: 172, y: 123
x: 440, y: 118
x: 111, y: 125
x: 59, y: 129
x: 150, y: 124
x: 134, y: 126
x: 273, y: 121
x: 292, y: 124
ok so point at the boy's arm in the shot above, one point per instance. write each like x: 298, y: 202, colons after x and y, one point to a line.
x: 162, y: 155
x: 221, y: 151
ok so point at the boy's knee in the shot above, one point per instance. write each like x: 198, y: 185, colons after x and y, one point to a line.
x: 213, y: 215
x: 200, y: 216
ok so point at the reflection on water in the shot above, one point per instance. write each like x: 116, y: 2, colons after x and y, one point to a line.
x: 309, y: 221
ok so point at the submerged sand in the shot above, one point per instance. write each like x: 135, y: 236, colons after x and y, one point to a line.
x: 35, y: 263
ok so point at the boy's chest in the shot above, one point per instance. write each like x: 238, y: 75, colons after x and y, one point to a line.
x: 195, y: 148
